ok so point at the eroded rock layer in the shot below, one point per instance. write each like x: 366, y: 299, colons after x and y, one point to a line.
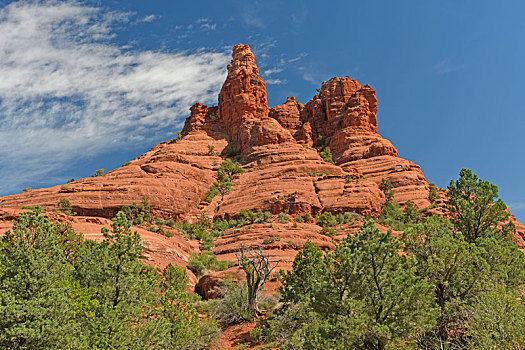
x: 280, y: 150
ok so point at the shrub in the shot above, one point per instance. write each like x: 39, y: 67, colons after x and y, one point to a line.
x: 433, y: 194
x: 138, y: 214
x: 326, y: 219
x: 299, y: 219
x: 363, y: 295
x: 175, y: 277
x: 267, y: 302
x: 98, y: 172
x: 178, y: 136
x: 200, y: 264
x: 282, y: 218
x: 307, y: 218
x: 200, y: 231
x: 251, y: 217
x: 327, y: 231
x: 82, y: 294
x: 65, y: 207
x: 326, y: 154
x: 225, y: 174
x: 475, y: 207
x: 392, y: 217
x: 281, y: 325
x: 344, y: 218
x: 271, y: 240
x: 411, y: 214
x: 212, y: 192
x: 386, y: 187
x: 233, y: 306
x: 348, y: 178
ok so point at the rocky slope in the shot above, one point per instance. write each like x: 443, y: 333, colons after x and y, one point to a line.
x: 279, y: 148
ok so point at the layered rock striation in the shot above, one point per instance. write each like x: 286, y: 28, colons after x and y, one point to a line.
x: 280, y: 151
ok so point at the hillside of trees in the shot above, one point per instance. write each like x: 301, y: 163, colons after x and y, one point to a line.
x: 453, y: 281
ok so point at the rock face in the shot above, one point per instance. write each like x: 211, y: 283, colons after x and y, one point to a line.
x: 279, y: 149
x: 243, y: 109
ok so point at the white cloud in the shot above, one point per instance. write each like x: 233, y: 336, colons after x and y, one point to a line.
x: 298, y: 57
x: 273, y: 71
x: 206, y: 24
x: 311, y: 75
x: 281, y: 65
x: 67, y: 91
x: 149, y: 18
x: 276, y: 81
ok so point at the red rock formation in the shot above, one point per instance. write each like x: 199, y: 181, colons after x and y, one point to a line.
x: 243, y: 108
x: 196, y: 119
x: 284, y: 174
x: 306, y: 135
x: 172, y: 176
x: 288, y: 115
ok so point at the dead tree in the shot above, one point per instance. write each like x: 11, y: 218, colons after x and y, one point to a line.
x: 256, y: 265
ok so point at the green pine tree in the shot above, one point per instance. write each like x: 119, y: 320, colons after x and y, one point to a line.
x: 128, y: 292
x: 36, y: 311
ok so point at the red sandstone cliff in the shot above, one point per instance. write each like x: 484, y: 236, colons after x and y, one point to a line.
x: 284, y: 172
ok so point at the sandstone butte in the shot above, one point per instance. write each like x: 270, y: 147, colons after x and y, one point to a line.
x: 284, y: 172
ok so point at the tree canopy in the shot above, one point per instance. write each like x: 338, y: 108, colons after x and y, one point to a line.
x: 58, y: 291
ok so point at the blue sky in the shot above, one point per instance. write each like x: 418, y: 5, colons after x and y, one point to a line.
x: 91, y: 84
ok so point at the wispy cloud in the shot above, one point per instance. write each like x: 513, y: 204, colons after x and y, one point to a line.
x: 148, y: 18
x: 276, y: 81
x: 297, y: 58
x: 445, y: 66
x: 282, y: 63
x: 67, y: 91
x: 206, y: 24
x: 274, y: 70
x: 311, y: 75
x: 261, y: 46
x: 250, y: 12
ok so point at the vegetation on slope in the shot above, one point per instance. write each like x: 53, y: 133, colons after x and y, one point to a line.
x: 440, y: 283
x: 452, y: 283
x: 58, y: 291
